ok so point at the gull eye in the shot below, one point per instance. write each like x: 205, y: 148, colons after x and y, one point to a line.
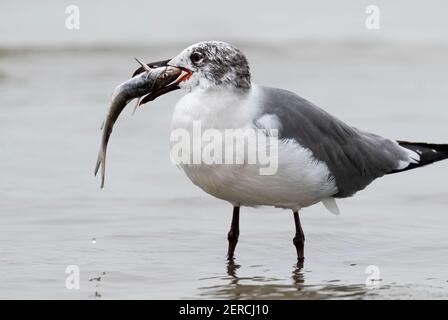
x: 196, y: 57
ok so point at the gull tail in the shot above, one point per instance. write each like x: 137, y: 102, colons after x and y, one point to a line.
x: 331, y: 205
x: 427, y: 152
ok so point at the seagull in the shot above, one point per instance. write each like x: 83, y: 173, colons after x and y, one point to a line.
x: 320, y: 158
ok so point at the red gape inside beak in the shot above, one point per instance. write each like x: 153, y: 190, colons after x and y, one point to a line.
x: 185, y: 75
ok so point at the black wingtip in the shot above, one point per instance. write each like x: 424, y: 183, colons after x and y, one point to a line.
x: 428, y: 153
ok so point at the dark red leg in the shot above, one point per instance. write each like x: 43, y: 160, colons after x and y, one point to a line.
x: 299, y: 239
x: 234, y: 232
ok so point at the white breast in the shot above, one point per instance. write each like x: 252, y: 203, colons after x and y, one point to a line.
x: 300, y: 180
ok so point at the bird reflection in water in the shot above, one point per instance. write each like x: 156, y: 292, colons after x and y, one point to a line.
x: 261, y: 287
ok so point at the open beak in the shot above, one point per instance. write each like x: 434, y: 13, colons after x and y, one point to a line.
x: 184, y: 74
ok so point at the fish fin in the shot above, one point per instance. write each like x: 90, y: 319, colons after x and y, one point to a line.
x: 154, y: 64
x: 144, y: 66
x: 331, y: 205
x: 142, y: 100
x: 102, y: 125
x: 136, y: 105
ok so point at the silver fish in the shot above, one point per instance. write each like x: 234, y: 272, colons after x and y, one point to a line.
x: 149, y: 83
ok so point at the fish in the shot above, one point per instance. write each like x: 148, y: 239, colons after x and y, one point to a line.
x: 150, y: 82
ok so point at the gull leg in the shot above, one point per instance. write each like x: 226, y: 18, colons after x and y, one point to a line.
x: 234, y: 232
x: 299, y: 239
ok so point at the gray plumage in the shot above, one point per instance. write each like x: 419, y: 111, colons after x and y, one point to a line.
x: 354, y: 158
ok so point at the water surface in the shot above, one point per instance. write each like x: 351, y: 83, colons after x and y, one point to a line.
x: 152, y: 234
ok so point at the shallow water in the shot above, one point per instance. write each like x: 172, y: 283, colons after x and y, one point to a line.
x: 151, y: 233
x: 158, y: 236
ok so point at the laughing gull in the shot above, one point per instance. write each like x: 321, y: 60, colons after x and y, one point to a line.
x: 320, y: 158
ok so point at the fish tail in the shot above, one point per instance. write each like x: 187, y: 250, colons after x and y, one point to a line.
x: 101, y: 162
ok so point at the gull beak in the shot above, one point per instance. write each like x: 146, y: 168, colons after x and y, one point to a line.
x: 183, y: 74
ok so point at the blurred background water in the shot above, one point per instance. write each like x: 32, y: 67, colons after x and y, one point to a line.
x: 151, y: 233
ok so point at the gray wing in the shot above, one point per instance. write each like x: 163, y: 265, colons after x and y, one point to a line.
x: 354, y: 158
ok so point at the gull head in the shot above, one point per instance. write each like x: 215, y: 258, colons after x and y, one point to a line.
x: 213, y: 64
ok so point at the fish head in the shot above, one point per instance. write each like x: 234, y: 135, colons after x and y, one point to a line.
x: 168, y: 78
